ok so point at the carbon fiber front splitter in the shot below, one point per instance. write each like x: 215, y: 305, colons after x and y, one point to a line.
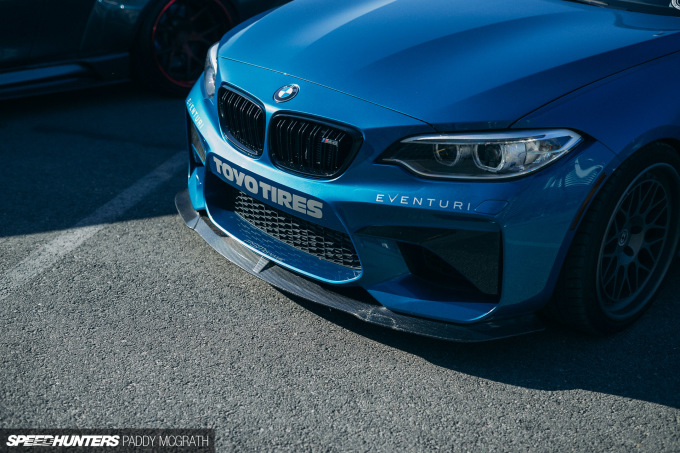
x: 305, y: 288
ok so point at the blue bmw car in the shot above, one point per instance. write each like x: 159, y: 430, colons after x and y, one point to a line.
x: 454, y: 169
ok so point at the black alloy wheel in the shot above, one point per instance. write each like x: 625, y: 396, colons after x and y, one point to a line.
x: 624, y: 246
x: 637, y: 233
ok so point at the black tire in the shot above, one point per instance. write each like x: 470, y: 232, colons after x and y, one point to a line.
x: 624, y: 245
x: 173, y: 39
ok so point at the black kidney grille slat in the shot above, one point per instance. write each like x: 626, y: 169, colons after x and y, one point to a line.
x: 248, y: 129
x: 290, y: 145
x: 242, y: 120
x: 322, y: 242
x: 316, y: 147
x: 310, y: 147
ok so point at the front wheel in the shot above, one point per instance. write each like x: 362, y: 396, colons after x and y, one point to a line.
x: 624, y: 246
x: 173, y: 40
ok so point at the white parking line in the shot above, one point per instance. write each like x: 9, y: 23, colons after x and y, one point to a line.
x: 47, y: 255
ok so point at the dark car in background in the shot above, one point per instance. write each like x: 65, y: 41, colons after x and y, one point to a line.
x: 56, y: 45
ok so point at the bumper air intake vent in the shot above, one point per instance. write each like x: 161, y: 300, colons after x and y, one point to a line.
x: 324, y: 243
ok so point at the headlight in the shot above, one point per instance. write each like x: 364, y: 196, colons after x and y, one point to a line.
x: 480, y: 155
x: 210, y: 71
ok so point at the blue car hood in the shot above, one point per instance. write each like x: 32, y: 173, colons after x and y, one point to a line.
x: 456, y: 64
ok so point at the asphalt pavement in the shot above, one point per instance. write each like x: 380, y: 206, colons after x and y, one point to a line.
x: 113, y: 314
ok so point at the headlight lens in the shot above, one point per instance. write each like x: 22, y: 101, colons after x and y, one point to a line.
x: 210, y: 71
x: 481, y: 156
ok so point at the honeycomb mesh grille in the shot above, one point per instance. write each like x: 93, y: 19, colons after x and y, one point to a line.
x: 321, y: 242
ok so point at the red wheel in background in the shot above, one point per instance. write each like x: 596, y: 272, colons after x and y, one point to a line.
x: 173, y: 40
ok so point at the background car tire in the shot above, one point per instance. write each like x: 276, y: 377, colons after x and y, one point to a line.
x: 624, y: 245
x: 173, y: 40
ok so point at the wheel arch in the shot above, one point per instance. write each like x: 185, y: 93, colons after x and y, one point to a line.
x: 557, y: 308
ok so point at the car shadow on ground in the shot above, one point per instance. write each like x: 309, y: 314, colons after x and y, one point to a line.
x: 641, y: 363
x: 67, y: 154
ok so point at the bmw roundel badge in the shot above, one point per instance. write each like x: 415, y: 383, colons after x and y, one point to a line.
x: 286, y: 93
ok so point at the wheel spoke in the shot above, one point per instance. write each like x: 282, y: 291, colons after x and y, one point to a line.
x: 611, y: 255
x: 649, y: 243
x: 634, y: 205
x: 209, y: 31
x: 610, y: 277
x: 620, y: 220
x: 627, y: 283
x: 193, y: 57
x: 633, y: 276
x: 618, y: 287
x: 656, y: 195
x: 656, y: 216
x: 611, y: 263
x: 199, y: 13
x: 648, y: 195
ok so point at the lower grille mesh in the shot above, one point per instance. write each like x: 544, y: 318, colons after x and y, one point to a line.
x: 324, y: 243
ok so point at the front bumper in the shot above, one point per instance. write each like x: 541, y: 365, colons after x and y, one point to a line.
x: 500, y: 244
x: 363, y: 308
